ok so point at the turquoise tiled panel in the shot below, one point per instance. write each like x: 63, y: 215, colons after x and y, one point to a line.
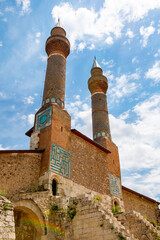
x: 60, y: 161
x: 43, y: 119
x: 115, y: 186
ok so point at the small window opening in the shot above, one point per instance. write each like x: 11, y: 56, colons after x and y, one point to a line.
x: 61, y: 129
x: 113, y: 161
x: 54, y: 187
x: 115, y: 203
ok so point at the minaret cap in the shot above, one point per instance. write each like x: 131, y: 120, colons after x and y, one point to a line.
x: 58, y: 24
x: 58, y: 29
x: 95, y: 64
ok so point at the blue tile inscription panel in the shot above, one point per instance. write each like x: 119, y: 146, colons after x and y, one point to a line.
x: 60, y: 161
x: 43, y: 119
x: 115, y: 186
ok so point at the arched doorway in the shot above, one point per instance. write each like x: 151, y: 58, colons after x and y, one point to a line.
x: 29, y: 220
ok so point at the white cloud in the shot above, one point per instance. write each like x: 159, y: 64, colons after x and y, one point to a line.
x: 37, y: 41
x: 3, y: 95
x: 38, y: 34
x: 1, y: 44
x: 3, y: 148
x: 81, y: 46
x: 30, y: 119
x: 157, y: 54
x: 28, y: 100
x: 84, y: 23
x: 25, y: 5
x: 32, y: 45
x: 23, y: 117
x: 129, y: 33
x: 146, y: 32
x: 9, y: 9
x: 109, y: 40
x: 135, y: 60
x: 43, y: 58
x: 92, y: 46
x: 109, y: 63
x: 123, y: 86
x: 154, y: 72
x: 4, y: 20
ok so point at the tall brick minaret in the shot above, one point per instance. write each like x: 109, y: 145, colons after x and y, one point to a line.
x: 98, y: 85
x: 57, y: 48
x: 52, y: 122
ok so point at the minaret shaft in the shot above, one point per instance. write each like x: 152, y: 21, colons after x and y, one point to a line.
x: 57, y: 48
x: 100, y: 118
x: 54, y: 88
x: 98, y: 85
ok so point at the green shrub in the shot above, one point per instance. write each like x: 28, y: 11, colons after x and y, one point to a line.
x: 2, y: 193
x: 98, y: 198
x: 54, y: 208
x: 75, y: 203
x: 121, y: 237
x: 146, y: 218
x: 47, y: 212
x: 154, y: 223
x: 115, y: 209
x: 71, y: 212
x: 7, y: 206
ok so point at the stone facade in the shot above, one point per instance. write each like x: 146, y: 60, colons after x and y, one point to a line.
x: 7, y: 225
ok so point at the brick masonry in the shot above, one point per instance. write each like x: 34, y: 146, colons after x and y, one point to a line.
x: 55, y: 78
x: 19, y: 172
x: 89, y: 166
x: 140, y: 204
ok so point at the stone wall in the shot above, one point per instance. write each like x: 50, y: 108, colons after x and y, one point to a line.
x: 138, y: 225
x: 89, y: 165
x: 7, y: 227
x: 139, y: 204
x: 19, y: 172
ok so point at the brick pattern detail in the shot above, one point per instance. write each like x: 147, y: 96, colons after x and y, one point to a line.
x: 60, y: 161
x: 58, y: 44
x: 55, y: 78
x: 115, y: 185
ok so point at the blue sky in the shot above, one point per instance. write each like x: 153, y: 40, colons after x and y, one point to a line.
x: 124, y: 36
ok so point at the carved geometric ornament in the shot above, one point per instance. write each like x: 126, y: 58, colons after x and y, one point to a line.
x: 115, y: 186
x: 60, y: 161
x: 43, y: 119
